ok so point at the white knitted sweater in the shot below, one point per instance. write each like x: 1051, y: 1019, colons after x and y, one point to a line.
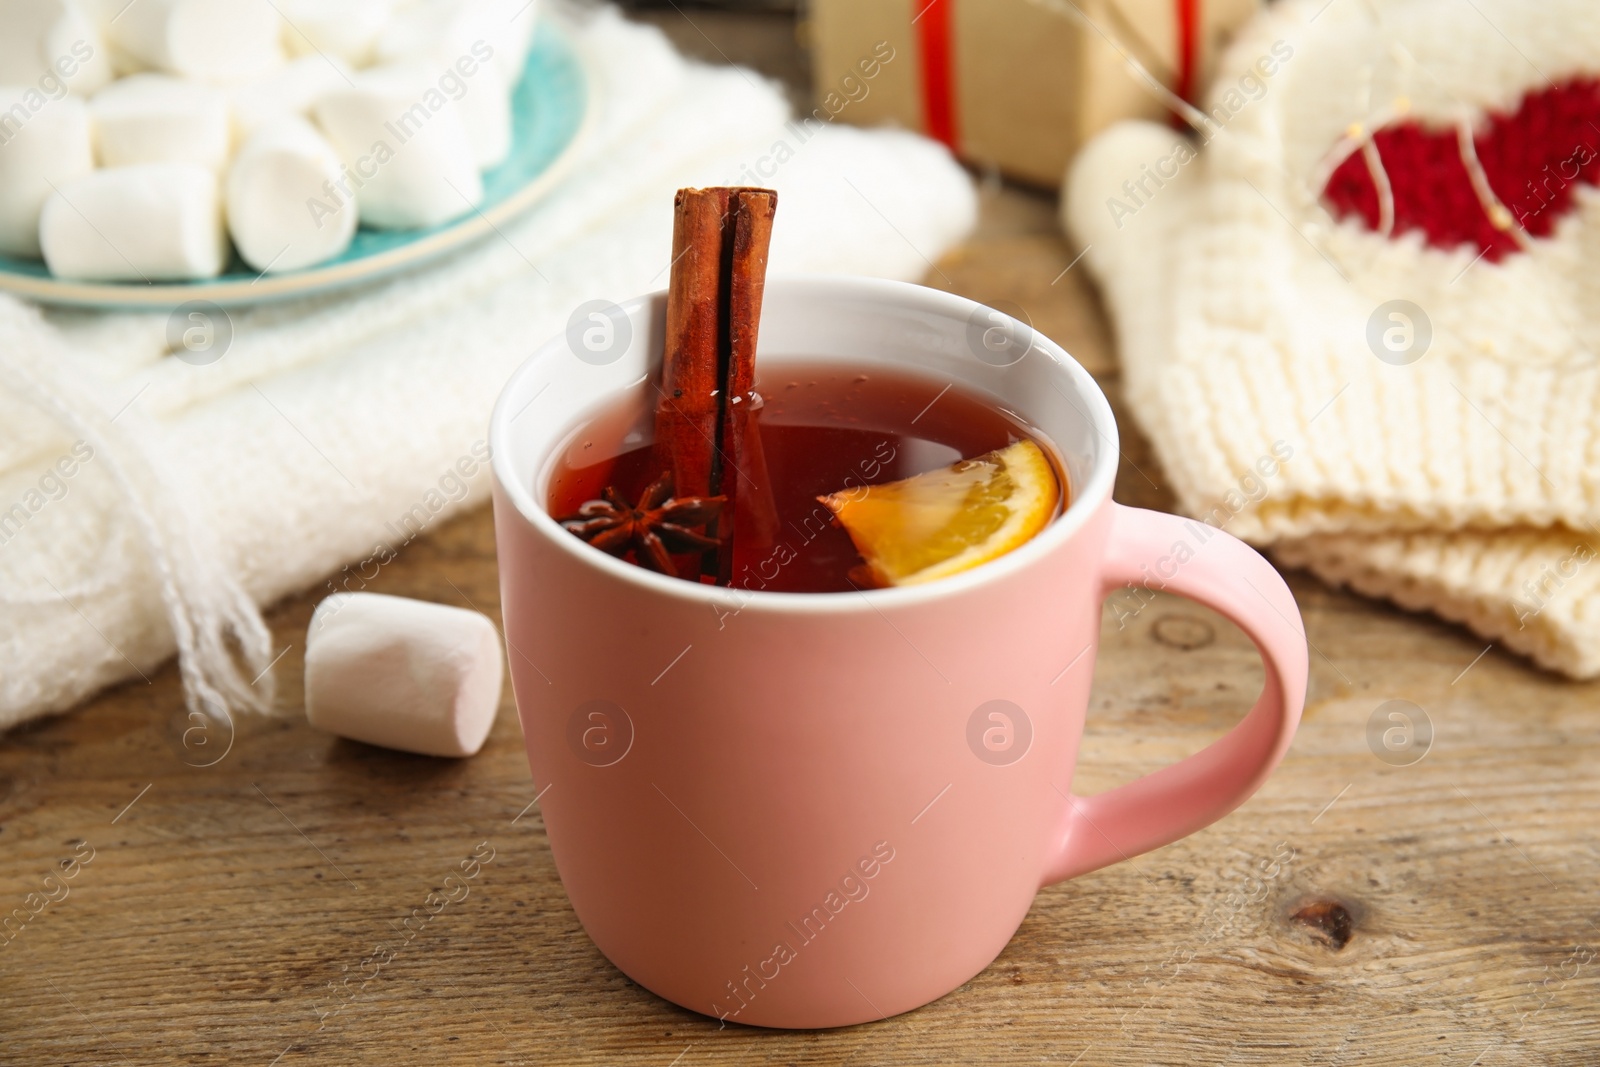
x: 161, y: 501
x: 1464, y: 482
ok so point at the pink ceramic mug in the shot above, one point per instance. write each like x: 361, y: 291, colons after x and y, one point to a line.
x: 813, y: 810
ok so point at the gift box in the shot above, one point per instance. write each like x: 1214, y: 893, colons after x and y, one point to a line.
x: 1016, y: 84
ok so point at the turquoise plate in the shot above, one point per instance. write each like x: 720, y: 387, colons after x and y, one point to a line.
x: 550, y: 107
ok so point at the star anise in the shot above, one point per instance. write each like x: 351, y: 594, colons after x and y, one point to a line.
x: 653, y: 529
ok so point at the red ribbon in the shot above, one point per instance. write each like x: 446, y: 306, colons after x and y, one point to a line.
x: 938, y: 89
x: 1188, y: 45
x: 932, y: 24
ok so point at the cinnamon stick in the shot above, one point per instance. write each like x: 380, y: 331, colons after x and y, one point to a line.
x: 750, y: 507
x: 687, y: 413
x: 706, y: 415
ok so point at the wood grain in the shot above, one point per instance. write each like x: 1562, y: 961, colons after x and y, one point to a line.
x: 229, y: 914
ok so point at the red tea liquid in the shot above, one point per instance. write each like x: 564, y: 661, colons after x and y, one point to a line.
x: 823, y: 428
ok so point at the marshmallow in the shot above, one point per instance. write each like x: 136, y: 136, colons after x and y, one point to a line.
x: 276, y: 197
x: 154, y: 222
x: 222, y: 41
x: 403, y: 673
x: 473, y: 53
x: 40, y: 146
x: 519, y: 19
x: 124, y: 63
x: 429, y: 29
x: 486, y: 114
x: 410, y: 161
x: 494, y: 33
x: 153, y: 118
x: 342, y: 28
x: 50, y: 43
x: 286, y: 92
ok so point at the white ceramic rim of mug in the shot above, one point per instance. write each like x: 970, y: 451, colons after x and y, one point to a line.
x: 1086, y: 499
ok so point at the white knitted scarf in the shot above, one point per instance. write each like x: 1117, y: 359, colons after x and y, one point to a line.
x: 154, y: 504
x: 1462, y: 482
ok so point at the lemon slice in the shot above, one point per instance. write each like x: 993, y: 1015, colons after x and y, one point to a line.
x: 950, y: 520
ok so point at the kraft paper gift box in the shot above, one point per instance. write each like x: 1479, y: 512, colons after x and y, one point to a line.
x: 1016, y: 84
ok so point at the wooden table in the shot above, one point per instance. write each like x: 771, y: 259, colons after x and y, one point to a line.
x: 1353, y: 912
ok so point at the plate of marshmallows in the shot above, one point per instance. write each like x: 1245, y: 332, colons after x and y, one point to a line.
x: 154, y: 152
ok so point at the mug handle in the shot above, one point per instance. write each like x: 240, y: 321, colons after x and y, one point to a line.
x: 1224, y: 574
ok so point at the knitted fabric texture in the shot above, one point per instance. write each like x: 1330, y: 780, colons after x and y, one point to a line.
x: 1361, y: 322
x: 161, y: 502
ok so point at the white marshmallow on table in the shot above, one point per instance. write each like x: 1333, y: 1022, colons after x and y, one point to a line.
x: 342, y: 28
x: 410, y: 162
x: 403, y: 673
x: 49, y: 43
x: 155, y: 118
x: 39, y: 148
x: 153, y: 222
x: 287, y: 91
x: 274, y: 188
x: 472, y: 52
x: 218, y: 41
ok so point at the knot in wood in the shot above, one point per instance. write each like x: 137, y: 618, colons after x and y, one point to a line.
x: 1328, y: 921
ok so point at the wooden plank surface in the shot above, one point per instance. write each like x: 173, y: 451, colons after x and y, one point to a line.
x: 1353, y: 912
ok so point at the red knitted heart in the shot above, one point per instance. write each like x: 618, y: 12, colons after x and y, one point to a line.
x: 1533, y: 157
